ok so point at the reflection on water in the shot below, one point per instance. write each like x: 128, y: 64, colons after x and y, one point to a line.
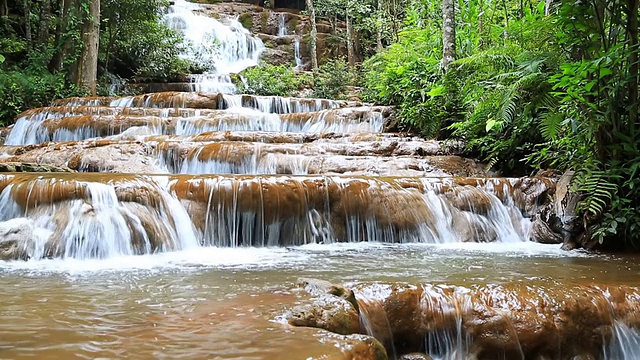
x: 220, y: 302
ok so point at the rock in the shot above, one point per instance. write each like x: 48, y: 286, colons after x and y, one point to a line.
x: 415, y: 356
x: 328, y: 312
x: 542, y: 232
x: 32, y: 167
x: 317, y: 287
x: 357, y: 347
x: 19, y: 237
x: 278, y: 57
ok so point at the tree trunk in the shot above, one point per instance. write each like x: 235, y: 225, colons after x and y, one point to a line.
x: 4, y: 8
x: 448, y: 34
x: 61, y: 42
x: 27, y: 23
x: 43, y: 30
x: 314, y: 35
x: 632, y: 26
x: 87, y: 65
x: 547, y: 7
x: 350, y: 51
x: 379, y: 27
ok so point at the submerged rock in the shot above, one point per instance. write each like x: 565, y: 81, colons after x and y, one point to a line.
x: 357, y: 346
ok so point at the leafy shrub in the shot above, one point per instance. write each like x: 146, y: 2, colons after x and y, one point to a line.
x: 332, y: 80
x: 407, y: 74
x: 22, y: 90
x: 277, y: 80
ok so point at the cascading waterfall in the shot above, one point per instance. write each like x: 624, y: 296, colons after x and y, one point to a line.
x: 297, y: 53
x: 89, y: 217
x: 306, y: 179
x: 282, y: 25
x: 221, y: 47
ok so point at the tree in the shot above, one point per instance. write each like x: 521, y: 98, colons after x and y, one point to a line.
x: 85, y: 72
x: 448, y: 33
x: 313, y: 39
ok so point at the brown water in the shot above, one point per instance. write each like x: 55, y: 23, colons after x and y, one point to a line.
x: 223, y: 303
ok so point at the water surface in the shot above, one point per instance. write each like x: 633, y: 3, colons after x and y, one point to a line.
x: 222, y: 302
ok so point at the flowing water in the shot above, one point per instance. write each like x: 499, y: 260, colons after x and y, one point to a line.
x: 221, y: 303
x: 221, y: 47
x: 202, y: 261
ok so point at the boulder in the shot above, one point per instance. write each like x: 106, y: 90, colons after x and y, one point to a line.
x: 328, y: 312
x: 19, y: 238
x: 333, y: 308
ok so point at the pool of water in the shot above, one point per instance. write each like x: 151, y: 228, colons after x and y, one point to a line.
x: 223, y: 302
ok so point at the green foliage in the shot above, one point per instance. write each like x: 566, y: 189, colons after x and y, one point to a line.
x: 278, y: 80
x: 409, y: 76
x: 135, y: 42
x: 21, y: 90
x: 333, y: 79
x: 503, y: 97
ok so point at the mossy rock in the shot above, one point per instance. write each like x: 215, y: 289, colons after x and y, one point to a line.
x: 246, y: 20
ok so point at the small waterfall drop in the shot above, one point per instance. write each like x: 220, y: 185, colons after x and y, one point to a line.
x: 282, y: 25
x: 220, y: 47
x: 297, y: 54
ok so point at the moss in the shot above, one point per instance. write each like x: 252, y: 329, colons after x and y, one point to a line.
x: 264, y: 19
x: 246, y: 20
x: 294, y: 23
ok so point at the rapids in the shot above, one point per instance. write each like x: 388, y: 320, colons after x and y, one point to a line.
x: 183, y: 221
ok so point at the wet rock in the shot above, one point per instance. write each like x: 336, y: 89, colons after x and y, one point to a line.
x: 468, y: 198
x: 317, y: 287
x: 357, y: 347
x: 328, y: 312
x: 18, y: 239
x: 32, y: 167
x: 533, y: 320
x: 415, y: 356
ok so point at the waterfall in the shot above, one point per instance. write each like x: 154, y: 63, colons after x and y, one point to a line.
x: 282, y: 25
x: 221, y: 47
x: 296, y: 51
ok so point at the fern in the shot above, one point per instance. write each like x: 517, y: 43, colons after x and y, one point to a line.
x: 598, y: 190
x: 550, y: 124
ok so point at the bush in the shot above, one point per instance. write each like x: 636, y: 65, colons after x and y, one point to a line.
x: 22, y: 90
x: 407, y: 74
x: 333, y: 79
x: 276, y: 80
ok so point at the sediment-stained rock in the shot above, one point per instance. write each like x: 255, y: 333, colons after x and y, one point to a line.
x: 19, y: 238
x: 529, y: 320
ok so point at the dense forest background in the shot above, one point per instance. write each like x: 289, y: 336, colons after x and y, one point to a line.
x: 527, y: 85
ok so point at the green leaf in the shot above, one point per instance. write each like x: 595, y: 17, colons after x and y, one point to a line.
x: 437, y: 91
x: 604, y: 72
x: 1, y: 59
x: 490, y: 124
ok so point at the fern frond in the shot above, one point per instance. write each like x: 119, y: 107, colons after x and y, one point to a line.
x: 598, y: 190
x: 550, y: 124
x: 509, y: 110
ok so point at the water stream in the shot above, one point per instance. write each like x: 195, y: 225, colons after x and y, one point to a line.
x: 193, y: 247
x: 221, y: 303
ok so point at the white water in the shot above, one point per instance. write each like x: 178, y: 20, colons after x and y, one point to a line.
x: 221, y: 47
x: 282, y: 25
x: 297, y: 54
